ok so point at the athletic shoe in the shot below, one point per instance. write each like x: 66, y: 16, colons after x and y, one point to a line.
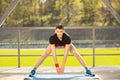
x: 89, y: 73
x: 32, y: 73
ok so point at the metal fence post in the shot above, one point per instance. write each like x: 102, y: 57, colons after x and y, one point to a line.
x: 93, y: 44
x: 18, y: 48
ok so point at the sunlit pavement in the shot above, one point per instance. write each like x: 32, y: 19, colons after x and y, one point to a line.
x: 14, y: 73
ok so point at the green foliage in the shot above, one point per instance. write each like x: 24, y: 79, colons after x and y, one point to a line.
x: 67, y: 12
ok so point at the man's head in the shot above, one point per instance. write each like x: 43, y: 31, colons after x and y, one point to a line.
x: 59, y: 31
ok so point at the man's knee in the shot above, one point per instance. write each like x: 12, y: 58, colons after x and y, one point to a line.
x: 76, y: 54
x: 45, y: 55
x: 48, y: 50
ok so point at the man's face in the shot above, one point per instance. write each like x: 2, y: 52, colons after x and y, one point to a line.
x: 59, y: 32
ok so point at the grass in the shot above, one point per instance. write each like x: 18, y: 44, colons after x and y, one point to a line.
x: 71, y: 60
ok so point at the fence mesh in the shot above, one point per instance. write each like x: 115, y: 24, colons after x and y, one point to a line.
x: 38, y: 38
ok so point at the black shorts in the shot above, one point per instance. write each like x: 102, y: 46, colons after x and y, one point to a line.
x: 56, y: 45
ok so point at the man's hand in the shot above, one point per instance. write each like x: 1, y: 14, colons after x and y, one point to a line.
x: 61, y: 70
x: 58, y: 70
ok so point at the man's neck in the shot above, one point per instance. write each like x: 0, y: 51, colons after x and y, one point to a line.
x: 60, y: 38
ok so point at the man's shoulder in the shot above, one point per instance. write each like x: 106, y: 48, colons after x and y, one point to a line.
x: 52, y: 39
x: 53, y: 36
x: 67, y: 35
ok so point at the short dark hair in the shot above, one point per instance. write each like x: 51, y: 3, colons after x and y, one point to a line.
x: 59, y: 26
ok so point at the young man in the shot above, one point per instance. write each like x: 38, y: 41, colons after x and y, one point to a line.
x: 60, y: 38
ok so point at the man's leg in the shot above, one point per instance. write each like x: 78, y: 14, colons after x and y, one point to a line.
x: 42, y: 58
x: 80, y: 59
x: 77, y: 55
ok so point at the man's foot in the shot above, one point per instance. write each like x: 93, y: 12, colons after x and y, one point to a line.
x: 89, y: 73
x: 32, y: 73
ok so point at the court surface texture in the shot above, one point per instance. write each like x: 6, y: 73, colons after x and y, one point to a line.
x: 104, y: 72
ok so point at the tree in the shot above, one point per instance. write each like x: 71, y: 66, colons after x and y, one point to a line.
x: 113, y: 11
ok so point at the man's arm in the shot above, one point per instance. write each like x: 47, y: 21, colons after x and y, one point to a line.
x: 55, y: 58
x: 54, y: 53
x: 67, y: 48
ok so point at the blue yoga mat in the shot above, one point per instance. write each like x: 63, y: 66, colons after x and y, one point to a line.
x: 59, y: 77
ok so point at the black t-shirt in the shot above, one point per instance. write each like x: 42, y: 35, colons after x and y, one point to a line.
x: 65, y: 40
